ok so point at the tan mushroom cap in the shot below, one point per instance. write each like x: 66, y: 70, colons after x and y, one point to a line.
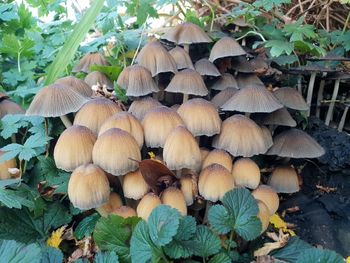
x: 246, y: 173
x: 140, y: 107
x: 295, y: 143
x: 157, y: 125
x: 56, y: 100
x: 214, y: 181
x: 77, y: 84
x: 248, y: 80
x: 95, y: 112
x: 137, y: 81
x: 252, y: 99
x: 156, y: 59
x: 9, y: 107
x: 88, y: 60
x: 284, y: 179
x: 241, y: 136
x: 189, y: 188
x: 114, y: 150
x: 98, y: 78
x: 5, y: 166
x: 181, y: 150
x: 268, y: 196
x: 219, y: 157
x: 226, y: 47
x: 204, y: 153
x: 263, y: 215
x: 88, y: 187
x: 187, y: 81
x: 126, y: 122
x: 124, y: 211
x: 200, y: 117
x: 279, y: 117
x: 224, y: 82
x: 174, y: 198
x: 113, y: 203
x: 205, y: 68
x: 74, y: 147
x: 147, y: 204
x: 186, y: 33
x: 223, y: 96
x: 134, y: 186
x: 181, y: 58
x: 291, y: 98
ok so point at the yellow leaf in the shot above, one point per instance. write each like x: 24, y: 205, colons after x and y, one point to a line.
x: 151, y: 155
x: 278, y: 223
x: 56, y: 237
x: 348, y: 259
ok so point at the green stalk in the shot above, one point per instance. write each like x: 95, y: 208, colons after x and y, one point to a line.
x: 19, y: 62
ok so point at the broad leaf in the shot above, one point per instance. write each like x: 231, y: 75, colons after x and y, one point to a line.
x: 51, y: 255
x: 107, y: 257
x: 86, y: 226
x: 292, y: 250
x: 205, y: 243
x: 319, y: 256
x: 220, y: 258
x: 12, y: 251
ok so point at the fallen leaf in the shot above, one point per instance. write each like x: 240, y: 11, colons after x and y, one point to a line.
x: 326, y: 188
x: 278, y: 223
x: 348, y: 259
x: 280, y: 241
x: 56, y: 237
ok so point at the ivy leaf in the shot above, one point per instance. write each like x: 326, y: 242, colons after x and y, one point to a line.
x: 108, y: 257
x: 220, y: 258
x: 320, y: 256
x: 51, y: 255
x: 279, y: 47
x: 12, y: 251
x: 205, y: 243
x: 86, y: 226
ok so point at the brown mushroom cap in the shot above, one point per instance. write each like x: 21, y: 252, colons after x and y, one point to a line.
x: 205, y: 68
x: 241, y: 136
x: 124, y: 211
x: 219, y: 157
x: 137, y: 81
x: 268, y: 196
x: 223, y: 96
x: 284, y: 179
x: 267, y: 135
x: 140, y: 107
x: 187, y: 81
x: 56, y: 100
x: 295, y: 143
x: 248, y: 80
x: 9, y: 107
x: 95, y: 112
x: 263, y: 215
x: 224, y: 82
x: 279, y: 117
x: 158, y: 123
x: 114, y: 150
x: 134, y: 186
x: 246, y: 173
x: 74, y: 147
x: 181, y: 58
x: 186, y: 33
x: 88, y: 187
x: 147, y: 204
x: 174, y: 198
x: 198, y: 123
x: 77, y: 84
x: 88, y: 60
x: 99, y: 79
x: 291, y: 98
x: 5, y: 166
x: 113, y: 203
x: 226, y: 47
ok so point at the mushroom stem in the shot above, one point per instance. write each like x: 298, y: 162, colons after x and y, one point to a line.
x: 207, y: 207
x: 320, y: 98
x: 66, y: 121
x: 187, y: 48
x: 309, y: 92
x: 331, y: 106
x: 185, y: 98
x: 343, y: 118
x: 299, y: 84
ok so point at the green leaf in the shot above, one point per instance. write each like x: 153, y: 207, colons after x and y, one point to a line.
x: 12, y: 199
x: 163, y: 223
x: 51, y: 255
x: 86, y: 226
x: 108, y: 257
x: 13, y: 46
x: 68, y: 50
x: 8, y: 182
x: 290, y: 253
x: 319, y: 256
x: 12, y: 252
x: 112, y: 72
x: 298, y: 31
x: 285, y: 60
x: 8, y: 12
x: 220, y: 258
x: 220, y: 219
x: 268, y: 5
x: 205, y: 243
x: 279, y: 47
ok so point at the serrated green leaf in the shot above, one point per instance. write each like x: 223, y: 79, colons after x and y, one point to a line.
x: 14, y: 252
x: 279, y: 47
x: 205, y: 243
x: 51, y: 255
x: 107, y: 257
x: 220, y: 219
x: 292, y: 250
x: 268, y: 5
x: 8, y: 12
x: 12, y: 199
x: 320, y: 256
x: 86, y: 226
x: 220, y: 258
x: 187, y: 228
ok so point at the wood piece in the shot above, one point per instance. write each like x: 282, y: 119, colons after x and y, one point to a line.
x: 320, y: 98
x: 343, y: 119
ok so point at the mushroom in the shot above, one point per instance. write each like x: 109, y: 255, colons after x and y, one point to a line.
x: 174, y: 198
x: 219, y: 157
x: 290, y: 98
x: 88, y: 187
x: 134, y: 186
x: 189, y: 187
x: 226, y: 47
x: 263, y: 215
x: 223, y: 96
x: 246, y: 173
x: 181, y: 58
x: 89, y: 60
x: 147, y: 204
x: 248, y: 80
x: 279, y: 117
x: 268, y: 196
x: 77, y: 84
x: 204, y: 153
x: 226, y: 81
x: 242, y: 65
x: 124, y: 211
x: 9, y: 107
x: 5, y: 166
x: 284, y: 179
x: 205, y: 68
x: 97, y: 78
x: 113, y: 203
x: 140, y: 107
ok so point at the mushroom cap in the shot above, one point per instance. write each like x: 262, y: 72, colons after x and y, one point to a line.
x: 223, y: 96
x: 204, y: 153
x: 241, y: 64
x: 88, y: 187
x: 181, y: 58
x: 147, y: 204
x: 157, y: 125
x: 137, y: 81
x: 77, y: 84
x: 241, y: 136
x: 181, y: 150
x: 140, y: 107
x: 186, y: 33
x: 5, y: 166
x: 224, y: 82
x: 267, y: 135
x: 114, y: 150
x: 219, y: 157
x: 98, y: 78
x: 189, y: 188
x: 214, y: 181
x: 113, y: 203
x: 124, y: 211
x: 291, y: 98
x: 268, y: 196
x: 284, y: 179
x: 56, y: 100
x: 88, y: 60
x: 9, y: 107
x: 295, y: 143
x: 279, y: 117
x: 74, y: 147
x: 226, y: 47
x: 126, y: 122
x: 246, y: 173
x: 3, y: 96
x: 248, y: 80
x: 156, y: 59
x: 263, y: 215
x: 134, y: 186
x: 205, y: 68
x: 252, y: 99
x: 198, y: 123
x: 187, y: 81
x: 174, y: 198
x: 95, y: 112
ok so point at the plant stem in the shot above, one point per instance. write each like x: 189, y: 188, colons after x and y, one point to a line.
x: 230, y: 241
x: 346, y: 23
x: 67, y: 123
x: 204, y: 260
x: 140, y: 41
x: 19, y: 62
x: 254, y: 33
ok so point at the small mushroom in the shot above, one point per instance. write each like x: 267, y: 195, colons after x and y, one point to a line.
x: 181, y: 58
x: 226, y: 81
x: 248, y: 80
x: 147, y: 204
x: 189, y: 187
x: 77, y: 84
x: 284, y: 179
x: 9, y: 107
x: 291, y: 98
x: 113, y: 203
x: 174, y: 198
x: 140, y: 107
x: 205, y: 68
x: 263, y: 215
x: 219, y: 157
x: 268, y: 196
x: 89, y: 60
x: 226, y: 47
x: 246, y: 173
x: 134, y: 186
x: 124, y: 211
x: 223, y: 96
x: 96, y: 78
x: 279, y: 117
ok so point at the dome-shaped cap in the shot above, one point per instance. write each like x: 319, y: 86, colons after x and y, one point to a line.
x: 174, y: 198
x: 95, y: 112
x: 114, y: 150
x: 186, y: 33
x: 263, y: 215
x: 137, y: 81
x: 187, y: 81
x: 214, y: 181
x: 205, y: 68
x: 226, y: 47
x: 267, y: 135
x: 9, y: 107
x: 74, y: 147
x: 140, y: 107
x: 291, y: 98
x: 284, y: 179
x: 246, y: 173
x: 219, y: 157
x: 124, y: 211
x: 5, y: 166
x: 77, y: 84
x: 189, y: 187
x: 198, y: 123
x: 223, y: 96
x: 241, y: 136
x: 181, y: 150
x: 147, y: 204
x: 134, y: 186
x: 88, y: 187
x: 224, y: 82
x: 56, y: 100
x: 268, y: 196
x: 181, y: 58
x: 113, y: 203
x: 248, y: 80
x: 88, y: 60
x: 279, y: 117
x: 157, y: 125
x: 98, y: 78
x: 295, y: 143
